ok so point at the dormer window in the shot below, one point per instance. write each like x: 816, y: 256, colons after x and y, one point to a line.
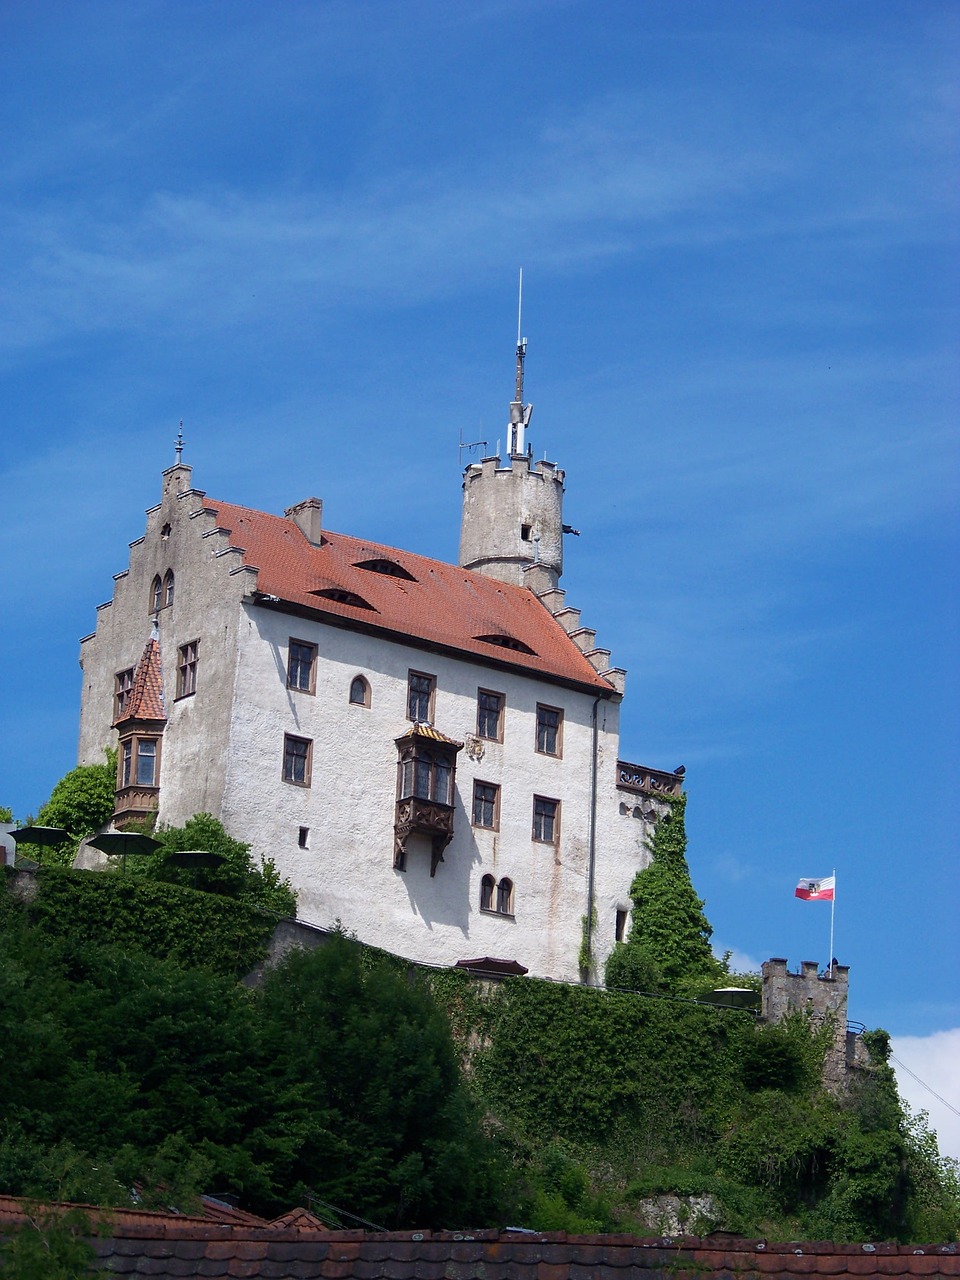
x: 343, y: 597
x: 507, y: 642
x: 426, y: 770
x: 389, y: 568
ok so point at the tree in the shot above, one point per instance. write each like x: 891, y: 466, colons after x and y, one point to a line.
x: 371, y: 1111
x: 6, y: 815
x: 669, y: 941
x: 48, y: 1247
x: 82, y: 802
x: 235, y: 877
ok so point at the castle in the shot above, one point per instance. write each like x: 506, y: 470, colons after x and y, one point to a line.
x: 429, y: 753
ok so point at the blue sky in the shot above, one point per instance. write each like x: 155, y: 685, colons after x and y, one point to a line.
x: 298, y: 228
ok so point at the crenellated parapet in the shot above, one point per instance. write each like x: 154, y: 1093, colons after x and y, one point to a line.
x: 821, y: 997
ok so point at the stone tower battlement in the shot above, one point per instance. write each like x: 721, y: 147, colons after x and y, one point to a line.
x: 823, y: 998
x: 513, y: 519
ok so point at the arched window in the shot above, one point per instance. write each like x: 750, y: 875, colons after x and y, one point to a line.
x: 168, y: 588
x: 505, y: 897
x: 487, y: 885
x: 156, y: 594
x: 359, y: 692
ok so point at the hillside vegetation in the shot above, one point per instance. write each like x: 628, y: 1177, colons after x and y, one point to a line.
x: 134, y: 1057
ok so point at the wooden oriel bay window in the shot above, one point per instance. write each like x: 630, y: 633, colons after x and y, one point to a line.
x: 426, y: 770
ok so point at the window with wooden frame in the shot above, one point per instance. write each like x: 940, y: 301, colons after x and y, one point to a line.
x: 139, y: 761
x: 496, y: 898
x: 505, y: 897
x: 156, y: 594
x: 486, y: 805
x: 302, y: 666
x: 122, y: 684
x: 187, y: 669
x: 168, y: 588
x: 297, y: 760
x: 549, y: 730
x: 490, y: 715
x: 546, y: 819
x: 488, y: 887
x: 421, y: 690
x: 360, y: 691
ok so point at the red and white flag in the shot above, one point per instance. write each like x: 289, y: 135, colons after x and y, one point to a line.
x: 817, y: 890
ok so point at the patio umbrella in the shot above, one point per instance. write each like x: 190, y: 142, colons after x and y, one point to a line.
x: 122, y: 843
x: 45, y: 837
x: 194, y: 858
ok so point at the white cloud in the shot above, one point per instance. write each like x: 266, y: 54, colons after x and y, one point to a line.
x: 739, y: 961
x: 936, y: 1060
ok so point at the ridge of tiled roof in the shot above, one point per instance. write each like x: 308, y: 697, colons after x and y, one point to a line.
x: 168, y: 1245
x: 145, y: 701
x: 440, y: 605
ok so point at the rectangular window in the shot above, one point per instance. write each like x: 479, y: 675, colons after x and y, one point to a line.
x: 146, y: 762
x: 420, y: 691
x: 122, y: 684
x: 549, y: 730
x: 297, y: 753
x: 138, y: 762
x: 489, y: 715
x: 621, y: 924
x: 187, y: 669
x: 302, y: 666
x: 486, y: 806
x: 303, y: 837
x: 546, y: 819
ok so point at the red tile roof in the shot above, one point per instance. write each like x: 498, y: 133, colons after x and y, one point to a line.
x: 435, y: 604
x: 145, y: 701
x: 167, y: 1245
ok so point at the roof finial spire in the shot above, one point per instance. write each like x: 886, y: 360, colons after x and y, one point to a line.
x: 519, y: 412
x: 178, y: 444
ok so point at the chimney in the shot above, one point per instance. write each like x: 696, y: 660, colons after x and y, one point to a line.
x: 307, y: 516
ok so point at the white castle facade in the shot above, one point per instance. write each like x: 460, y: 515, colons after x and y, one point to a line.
x: 428, y: 752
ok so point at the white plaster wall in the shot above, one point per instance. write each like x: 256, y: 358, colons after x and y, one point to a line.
x: 347, y: 872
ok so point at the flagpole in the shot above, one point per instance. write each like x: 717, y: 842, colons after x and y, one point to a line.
x: 833, y: 903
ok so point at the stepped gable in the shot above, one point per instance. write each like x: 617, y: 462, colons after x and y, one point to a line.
x: 145, y: 701
x: 423, y: 600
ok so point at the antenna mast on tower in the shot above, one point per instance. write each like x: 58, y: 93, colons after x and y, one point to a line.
x: 519, y: 412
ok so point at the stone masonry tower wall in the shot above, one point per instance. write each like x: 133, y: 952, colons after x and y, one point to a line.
x: 513, y: 518
x: 823, y: 997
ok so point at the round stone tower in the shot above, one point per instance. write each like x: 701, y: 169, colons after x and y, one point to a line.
x: 513, y: 515
x: 512, y: 518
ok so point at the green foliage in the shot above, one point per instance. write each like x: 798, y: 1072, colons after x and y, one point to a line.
x: 385, y: 1124
x: 669, y: 943
x: 82, y: 802
x: 168, y: 921
x: 235, y: 877
x: 338, y: 1077
x: 6, y: 815
x: 48, y: 1246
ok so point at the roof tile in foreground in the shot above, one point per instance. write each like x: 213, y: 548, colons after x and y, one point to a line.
x: 133, y: 1242
x: 435, y: 604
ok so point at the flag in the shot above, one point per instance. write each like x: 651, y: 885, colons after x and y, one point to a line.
x: 816, y: 890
